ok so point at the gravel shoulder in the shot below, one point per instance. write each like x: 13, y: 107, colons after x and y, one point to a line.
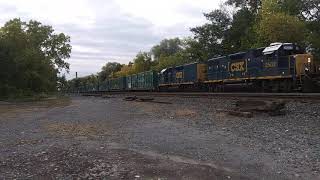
x: 94, y: 138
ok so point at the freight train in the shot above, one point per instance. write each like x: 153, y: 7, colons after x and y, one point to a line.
x: 280, y: 67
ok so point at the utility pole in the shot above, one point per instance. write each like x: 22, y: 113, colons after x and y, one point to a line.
x: 77, y: 83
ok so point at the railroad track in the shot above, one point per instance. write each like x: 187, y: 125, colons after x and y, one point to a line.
x: 309, y: 96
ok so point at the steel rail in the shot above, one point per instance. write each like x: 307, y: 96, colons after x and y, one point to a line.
x: 312, y: 96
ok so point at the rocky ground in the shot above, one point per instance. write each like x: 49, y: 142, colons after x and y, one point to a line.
x: 108, y: 138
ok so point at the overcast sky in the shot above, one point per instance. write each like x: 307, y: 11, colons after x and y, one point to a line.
x: 110, y: 30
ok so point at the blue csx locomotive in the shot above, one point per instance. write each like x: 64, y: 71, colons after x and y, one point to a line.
x: 280, y: 67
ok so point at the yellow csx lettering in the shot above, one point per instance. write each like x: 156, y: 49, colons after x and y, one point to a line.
x: 238, y: 66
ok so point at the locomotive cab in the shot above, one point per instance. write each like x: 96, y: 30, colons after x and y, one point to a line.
x: 291, y: 56
x: 295, y: 63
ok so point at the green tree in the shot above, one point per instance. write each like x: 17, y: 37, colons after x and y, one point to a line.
x: 292, y: 7
x: 109, y: 70
x: 62, y: 84
x: 32, y: 56
x: 310, y: 10
x: 278, y: 26
x: 252, y: 5
x: 240, y: 36
x: 167, y: 47
x: 311, y: 14
x: 142, y: 62
x: 209, y: 37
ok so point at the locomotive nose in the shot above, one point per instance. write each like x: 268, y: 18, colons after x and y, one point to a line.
x: 304, y: 64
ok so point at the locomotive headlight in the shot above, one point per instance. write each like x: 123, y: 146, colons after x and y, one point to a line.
x: 309, y: 60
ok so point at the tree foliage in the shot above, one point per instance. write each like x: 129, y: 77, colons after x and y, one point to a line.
x: 109, y: 70
x: 209, y: 37
x: 241, y: 35
x: 276, y: 25
x: 31, y: 57
x: 252, y: 5
x: 311, y: 15
x: 142, y: 62
x: 126, y: 70
x: 167, y: 47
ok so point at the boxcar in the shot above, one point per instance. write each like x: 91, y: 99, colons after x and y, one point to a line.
x: 189, y: 74
x: 143, y: 81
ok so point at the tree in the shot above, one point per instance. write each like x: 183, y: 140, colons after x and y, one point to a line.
x: 126, y: 70
x: 310, y: 10
x: 62, y: 84
x: 32, y: 56
x: 142, y: 62
x: 240, y: 36
x: 292, y: 7
x: 252, y: 5
x: 109, y: 70
x: 278, y: 26
x: 167, y: 47
x: 312, y: 17
x: 210, y: 36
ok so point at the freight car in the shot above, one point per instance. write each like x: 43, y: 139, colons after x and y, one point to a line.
x: 145, y: 81
x: 117, y: 84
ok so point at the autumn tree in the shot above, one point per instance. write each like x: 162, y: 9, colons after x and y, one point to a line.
x: 126, y: 70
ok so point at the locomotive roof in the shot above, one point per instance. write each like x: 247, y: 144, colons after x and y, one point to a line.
x: 237, y: 54
x: 164, y: 70
x: 217, y: 58
x: 274, y: 47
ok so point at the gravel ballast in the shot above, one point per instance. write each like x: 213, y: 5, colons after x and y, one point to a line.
x: 191, y: 138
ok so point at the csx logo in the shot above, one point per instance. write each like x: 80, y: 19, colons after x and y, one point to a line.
x: 238, y: 66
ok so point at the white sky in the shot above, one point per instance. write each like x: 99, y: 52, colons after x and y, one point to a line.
x: 110, y: 30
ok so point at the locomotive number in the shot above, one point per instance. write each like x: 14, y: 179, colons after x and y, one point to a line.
x: 238, y: 66
x: 270, y: 64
